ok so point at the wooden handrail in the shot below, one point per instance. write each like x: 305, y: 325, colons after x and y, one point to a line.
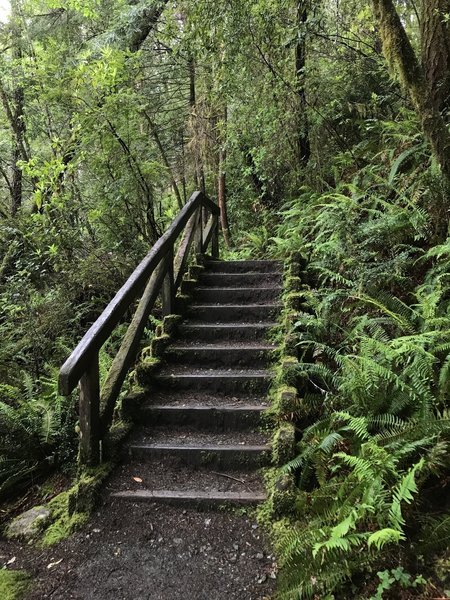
x: 160, y: 272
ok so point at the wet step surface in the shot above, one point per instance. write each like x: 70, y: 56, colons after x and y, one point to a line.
x: 245, y: 354
x: 172, y: 475
x: 202, y: 413
x: 232, y: 331
x: 237, y: 279
x: 188, y: 399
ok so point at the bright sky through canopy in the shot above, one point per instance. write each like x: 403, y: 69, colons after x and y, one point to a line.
x: 4, y: 10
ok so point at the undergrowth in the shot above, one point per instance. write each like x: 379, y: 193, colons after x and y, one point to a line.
x: 371, y: 516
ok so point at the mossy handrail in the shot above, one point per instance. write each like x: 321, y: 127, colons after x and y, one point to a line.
x: 160, y: 272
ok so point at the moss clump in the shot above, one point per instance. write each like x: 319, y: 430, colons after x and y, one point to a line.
x: 293, y: 284
x: 286, y: 401
x: 283, y: 445
x: 288, y: 371
x: 170, y: 324
x: 294, y: 300
x: 14, y: 584
x: 64, y: 523
x: 159, y: 344
x: 145, y: 369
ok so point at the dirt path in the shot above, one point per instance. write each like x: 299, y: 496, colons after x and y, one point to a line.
x: 137, y: 551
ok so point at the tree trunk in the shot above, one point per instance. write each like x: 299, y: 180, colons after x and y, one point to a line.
x: 435, y: 41
x: 222, y: 190
x: 304, y: 149
x: 165, y: 160
x: 18, y: 122
x: 403, y: 61
x: 199, y: 173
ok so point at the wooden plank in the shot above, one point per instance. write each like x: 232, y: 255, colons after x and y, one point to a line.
x: 167, y: 290
x: 208, y: 233
x: 90, y: 414
x: 126, y: 355
x: 78, y: 361
x: 215, y: 238
x: 192, y: 496
x: 181, y: 260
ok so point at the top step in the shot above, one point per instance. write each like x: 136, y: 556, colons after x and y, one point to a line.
x: 244, y: 266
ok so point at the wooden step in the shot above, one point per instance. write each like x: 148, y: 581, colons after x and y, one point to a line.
x: 231, y: 295
x: 230, y: 355
x: 214, y: 313
x: 225, y: 331
x: 213, y: 279
x: 212, y: 380
x: 244, y: 266
x: 213, y: 455
x: 218, y: 418
x: 193, y: 498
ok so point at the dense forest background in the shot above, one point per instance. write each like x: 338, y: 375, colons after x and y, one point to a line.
x: 319, y: 127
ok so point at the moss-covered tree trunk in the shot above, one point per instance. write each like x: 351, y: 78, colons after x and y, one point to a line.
x: 304, y: 149
x: 435, y: 42
x: 222, y: 189
x: 17, y: 109
x: 404, y: 63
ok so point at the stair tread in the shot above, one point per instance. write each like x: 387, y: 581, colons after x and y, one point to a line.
x: 190, y: 437
x: 202, y: 447
x: 184, y: 398
x: 200, y: 407
x: 187, y: 371
x: 241, y: 288
x: 169, y: 473
x: 231, y: 345
x: 240, y: 305
x: 191, y: 323
x: 191, y: 495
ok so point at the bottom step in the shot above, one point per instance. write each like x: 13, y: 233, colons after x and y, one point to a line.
x: 192, y: 497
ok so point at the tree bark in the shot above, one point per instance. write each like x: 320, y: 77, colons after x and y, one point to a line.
x: 222, y: 190
x: 144, y: 24
x: 435, y: 42
x: 165, y: 160
x: 404, y: 63
x: 199, y: 172
x: 17, y: 116
x: 304, y: 148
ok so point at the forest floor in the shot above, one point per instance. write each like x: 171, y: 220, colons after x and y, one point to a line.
x: 140, y: 551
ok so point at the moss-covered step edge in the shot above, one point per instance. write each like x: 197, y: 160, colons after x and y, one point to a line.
x: 284, y: 396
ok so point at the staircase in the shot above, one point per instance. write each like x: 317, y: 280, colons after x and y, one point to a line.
x: 197, y: 439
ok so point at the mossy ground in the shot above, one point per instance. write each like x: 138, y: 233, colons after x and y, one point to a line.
x: 64, y: 524
x: 13, y: 584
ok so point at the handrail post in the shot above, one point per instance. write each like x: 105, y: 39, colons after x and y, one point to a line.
x: 90, y: 414
x: 167, y: 290
x: 215, y: 238
x: 199, y: 235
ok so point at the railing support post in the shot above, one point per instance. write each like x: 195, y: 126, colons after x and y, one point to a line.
x: 90, y: 415
x: 199, y: 235
x: 215, y: 239
x: 167, y: 293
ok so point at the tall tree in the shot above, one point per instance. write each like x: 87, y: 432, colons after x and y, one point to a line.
x: 435, y: 43
x: 304, y: 148
x: 404, y: 63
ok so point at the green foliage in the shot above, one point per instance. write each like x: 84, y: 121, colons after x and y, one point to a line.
x: 14, y: 584
x: 373, y: 349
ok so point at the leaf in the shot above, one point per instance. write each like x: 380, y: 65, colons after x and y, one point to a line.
x: 385, y: 536
x: 397, y: 164
x: 53, y: 564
